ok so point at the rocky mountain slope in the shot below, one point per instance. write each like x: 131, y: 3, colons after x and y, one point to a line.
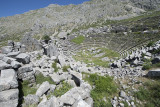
x: 56, y: 18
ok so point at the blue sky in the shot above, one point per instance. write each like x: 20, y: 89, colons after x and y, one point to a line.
x: 12, y: 7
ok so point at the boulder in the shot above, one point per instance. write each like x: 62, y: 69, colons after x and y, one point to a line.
x: 44, y: 87
x: 62, y: 60
x: 13, y: 54
x: 1, y: 56
x: 31, y: 99
x: 73, y: 95
x: 81, y: 103
x: 154, y: 73
x: 105, y: 59
x: 24, y: 58
x: 89, y: 101
x: 52, y: 102
x: 77, y: 77
x: 87, y: 87
x: 26, y: 73
x: 44, y: 100
x: 71, y: 83
x: 135, y: 62
x: 52, y: 87
x: 9, y: 95
x: 9, y: 103
x: 156, y: 60
x: 27, y: 40
x: 10, y: 43
x: 62, y: 35
x: 99, y: 55
x: 8, y: 79
x: 123, y: 94
x: 25, y: 68
x: 51, y: 50
x: 56, y: 78
x: 116, y: 64
x: 4, y: 65
x: 148, y: 54
x: 8, y: 60
x: 15, y: 64
x: 6, y: 49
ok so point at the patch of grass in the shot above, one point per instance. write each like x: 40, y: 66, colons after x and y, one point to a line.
x: 156, y: 51
x: 109, y: 53
x: 157, y: 65
x: 40, y: 79
x: 39, y: 57
x: 26, y: 89
x: 37, y: 37
x: 88, y: 57
x: 54, y: 65
x: 150, y: 44
x: 62, y: 90
x: 46, y: 37
x: 125, y: 104
x: 78, y: 40
x: 147, y: 64
x: 65, y: 68
x: 105, y: 87
x: 149, y: 93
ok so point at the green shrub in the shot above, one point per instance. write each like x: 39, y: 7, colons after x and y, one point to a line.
x: 62, y: 90
x: 39, y: 57
x: 147, y: 64
x: 78, y: 40
x: 105, y: 84
x: 40, y: 79
x: 46, y: 37
x: 65, y: 68
x: 149, y: 93
x: 68, y: 34
x: 104, y: 88
x: 156, y: 51
x: 157, y: 65
x: 125, y: 103
x: 147, y: 67
x: 150, y: 44
x: 142, y: 94
x: 54, y: 65
x: 26, y: 89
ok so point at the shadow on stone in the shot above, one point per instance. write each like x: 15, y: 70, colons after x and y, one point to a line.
x: 21, y: 94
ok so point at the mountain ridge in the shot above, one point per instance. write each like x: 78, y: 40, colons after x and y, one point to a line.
x: 54, y: 17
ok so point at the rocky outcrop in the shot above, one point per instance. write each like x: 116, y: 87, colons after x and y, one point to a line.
x: 154, y: 73
x: 147, y: 4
